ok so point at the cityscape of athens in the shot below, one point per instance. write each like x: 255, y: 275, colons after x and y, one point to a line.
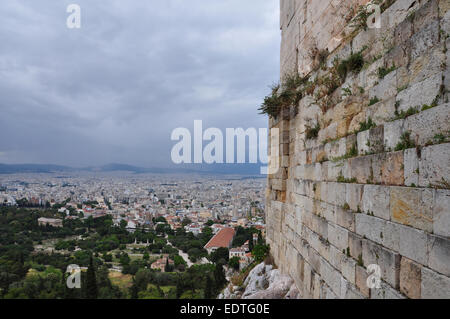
x: 211, y: 156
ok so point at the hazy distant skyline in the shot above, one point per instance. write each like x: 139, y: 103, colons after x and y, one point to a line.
x: 113, y: 91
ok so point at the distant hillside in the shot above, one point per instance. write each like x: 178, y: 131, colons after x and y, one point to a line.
x: 213, y: 169
x: 32, y: 168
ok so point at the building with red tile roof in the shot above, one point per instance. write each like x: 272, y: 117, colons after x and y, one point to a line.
x: 224, y: 238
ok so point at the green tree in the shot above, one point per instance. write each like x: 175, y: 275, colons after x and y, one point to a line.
x: 219, y: 277
x: 234, y: 263
x: 260, y: 252
x: 221, y: 254
x: 91, y: 281
x: 209, y: 288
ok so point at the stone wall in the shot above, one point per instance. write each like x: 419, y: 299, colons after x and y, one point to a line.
x: 371, y: 186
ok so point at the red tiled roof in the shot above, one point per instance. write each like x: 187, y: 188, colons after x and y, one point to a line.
x: 222, y: 239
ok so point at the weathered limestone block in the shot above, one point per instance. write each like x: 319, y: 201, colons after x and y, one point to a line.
x: 361, y: 281
x: 368, y: 78
x: 445, y: 23
x: 413, y: 243
x: 399, y: 10
x: 388, y: 261
x: 354, y: 194
x: 327, y: 211
x: 314, y: 257
x: 348, y: 268
x: 392, y: 169
x: 371, y: 141
x: 336, y: 193
x: 376, y: 201
x: 338, y: 236
x: 345, y: 218
x: 360, y: 168
x: 434, y: 285
x: 363, y: 139
x: 412, y: 207
x: 385, y: 292
x: 439, y: 254
x: 403, y: 33
x: 355, y: 122
x: 349, y: 291
x: 444, y: 7
x: 376, y: 140
x: 425, y: 66
x: 320, y: 226
x: 410, y: 278
x: 381, y: 111
x: 392, y: 133
x: 334, y: 169
x: 425, y: 125
x: 279, y: 184
x: 355, y: 245
x: 335, y: 257
x: 441, y: 213
x: 424, y: 39
x: 370, y: 227
x: 376, y: 173
x: 419, y: 94
x: 428, y: 12
x: 328, y: 133
x: 433, y: 166
x: 386, y: 88
x: 399, y: 56
x: 411, y: 164
x: 331, y: 276
x: 336, y: 148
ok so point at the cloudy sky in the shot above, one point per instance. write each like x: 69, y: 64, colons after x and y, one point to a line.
x: 113, y: 91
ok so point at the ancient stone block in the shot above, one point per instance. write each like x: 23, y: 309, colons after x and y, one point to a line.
x: 355, y: 245
x: 411, y: 164
x: 370, y: 227
x: 360, y: 168
x: 382, y: 111
x: 363, y: 139
x: 413, y: 243
x: 434, y: 285
x: 424, y: 39
x: 338, y: 236
x: 441, y: 213
x: 388, y: 261
x: 385, y: 292
x: 425, y: 125
x: 376, y: 201
x: 349, y: 291
x: 392, y: 133
x: 410, y: 278
x: 439, y: 254
x: 354, y: 193
x: 392, y: 169
x: 348, y: 268
x: 433, y: 166
x: 345, y: 218
x: 412, y: 207
x: 428, y: 12
x: 419, y: 94
x: 361, y: 281
x: 331, y: 276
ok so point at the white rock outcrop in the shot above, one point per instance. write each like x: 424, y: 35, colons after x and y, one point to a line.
x: 263, y: 282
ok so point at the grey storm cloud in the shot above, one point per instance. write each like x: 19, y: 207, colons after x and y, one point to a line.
x: 114, y: 90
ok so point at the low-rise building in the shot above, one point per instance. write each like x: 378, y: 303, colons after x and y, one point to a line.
x: 224, y: 238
